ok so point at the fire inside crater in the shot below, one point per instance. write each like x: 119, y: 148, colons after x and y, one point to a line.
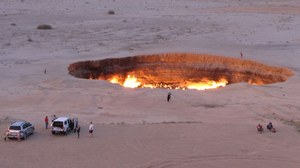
x: 179, y: 71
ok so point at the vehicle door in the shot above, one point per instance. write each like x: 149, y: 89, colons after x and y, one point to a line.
x: 66, y: 125
x: 75, y: 123
x: 25, y: 128
x: 29, y: 128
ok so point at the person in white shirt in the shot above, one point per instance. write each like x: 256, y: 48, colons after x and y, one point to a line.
x: 91, y: 128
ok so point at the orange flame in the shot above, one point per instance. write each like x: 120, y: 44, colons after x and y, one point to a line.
x: 114, y: 80
x: 207, y: 84
x: 133, y: 82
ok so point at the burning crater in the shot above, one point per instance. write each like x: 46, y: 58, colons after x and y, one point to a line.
x: 179, y: 71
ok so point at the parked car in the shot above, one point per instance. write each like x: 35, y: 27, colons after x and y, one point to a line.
x: 20, y: 130
x: 64, y: 125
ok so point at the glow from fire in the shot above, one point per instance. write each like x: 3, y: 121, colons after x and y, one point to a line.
x: 114, y: 80
x: 207, y: 84
x: 133, y: 82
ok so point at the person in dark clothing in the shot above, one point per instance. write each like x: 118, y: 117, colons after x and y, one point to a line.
x: 78, y: 131
x: 54, y: 117
x: 169, y: 97
x: 270, y: 126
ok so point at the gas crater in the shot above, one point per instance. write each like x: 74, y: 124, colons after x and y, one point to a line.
x: 179, y: 71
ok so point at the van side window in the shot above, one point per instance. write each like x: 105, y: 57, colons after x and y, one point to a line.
x: 24, y: 126
x: 27, y: 125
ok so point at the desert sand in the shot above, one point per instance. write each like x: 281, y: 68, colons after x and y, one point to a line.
x: 138, y: 128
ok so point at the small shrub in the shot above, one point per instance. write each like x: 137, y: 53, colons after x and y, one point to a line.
x: 29, y: 39
x: 44, y: 27
x: 111, y: 12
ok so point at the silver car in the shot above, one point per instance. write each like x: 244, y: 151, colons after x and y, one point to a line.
x: 20, y: 130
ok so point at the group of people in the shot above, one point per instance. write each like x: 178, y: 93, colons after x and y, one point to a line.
x: 270, y: 127
x: 91, y: 130
x: 77, y: 129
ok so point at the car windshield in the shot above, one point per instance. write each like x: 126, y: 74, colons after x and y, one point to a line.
x: 15, y: 128
x: 58, y: 124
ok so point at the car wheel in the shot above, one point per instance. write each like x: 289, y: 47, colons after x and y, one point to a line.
x: 25, y: 136
x: 53, y: 133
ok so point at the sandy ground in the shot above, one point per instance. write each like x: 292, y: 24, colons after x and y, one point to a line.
x: 137, y: 128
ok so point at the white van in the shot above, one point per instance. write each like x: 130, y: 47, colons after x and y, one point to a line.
x: 64, y: 125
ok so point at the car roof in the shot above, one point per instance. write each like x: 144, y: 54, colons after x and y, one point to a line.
x: 18, y: 123
x: 62, y: 118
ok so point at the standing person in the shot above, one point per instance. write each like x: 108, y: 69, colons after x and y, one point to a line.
x: 5, y: 136
x: 91, y: 128
x: 54, y: 117
x: 78, y: 131
x: 46, y: 122
x: 241, y: 55
x: 169, y: 96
